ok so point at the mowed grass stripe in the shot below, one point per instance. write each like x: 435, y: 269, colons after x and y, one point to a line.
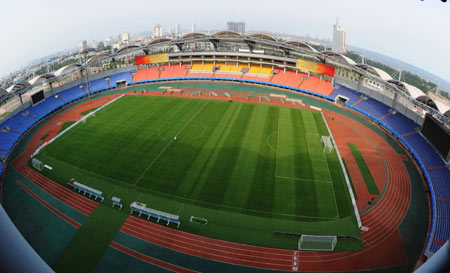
x: 303, y: 163
x: 220, y: 173
x: 315, y: 149
x: 244, y: 170
x: 364, y: 169
x: 196, y: 177
x: 284, y: 190
x: 262, y: 187
x: 176, y: 134
x: 350, y: 178
x: 121, y: 143
x: 214, y: 163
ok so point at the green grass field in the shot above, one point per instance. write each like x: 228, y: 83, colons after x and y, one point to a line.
x: 249, y: 169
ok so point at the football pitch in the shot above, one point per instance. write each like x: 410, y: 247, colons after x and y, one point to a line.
x: 249, y: 169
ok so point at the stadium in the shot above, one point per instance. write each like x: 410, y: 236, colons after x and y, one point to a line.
x: 254, y: 154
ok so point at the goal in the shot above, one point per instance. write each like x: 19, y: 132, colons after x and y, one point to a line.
x: 317, y: 242
x: 88, y: 116
x: 38, y: 165
x: 327, y: 144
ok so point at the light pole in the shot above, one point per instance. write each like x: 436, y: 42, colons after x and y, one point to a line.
x: 85, y: 52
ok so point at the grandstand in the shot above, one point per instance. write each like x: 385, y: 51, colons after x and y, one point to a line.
x: 380, y: 107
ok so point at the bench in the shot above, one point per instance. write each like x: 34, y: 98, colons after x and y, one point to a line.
x: 142, y: 209
x: 86, y: 190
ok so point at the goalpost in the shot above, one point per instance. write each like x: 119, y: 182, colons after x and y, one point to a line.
x: 327, y: 144
x: 88, y: 116
x: 317, y: 242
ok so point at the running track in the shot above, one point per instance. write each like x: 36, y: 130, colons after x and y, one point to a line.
x: 383, y: 245
x: 383, y: 219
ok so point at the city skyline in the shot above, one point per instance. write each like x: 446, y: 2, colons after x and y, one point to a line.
x: 426, y: 39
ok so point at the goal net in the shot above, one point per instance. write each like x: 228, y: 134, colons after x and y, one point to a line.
x: 90, y: 115
x: 327, y: 144
x: 317, y: 242
x: 38, y: 165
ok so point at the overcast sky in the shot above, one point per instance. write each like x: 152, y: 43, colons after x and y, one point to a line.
x: 410, y: 30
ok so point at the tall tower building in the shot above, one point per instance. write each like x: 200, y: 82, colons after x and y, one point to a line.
x: 177, y: 29
x: 238, y: 27
x: 82, y: 45
x: 126, y: 37
x: 157, y: 31
x: 338, y: 44
x: 193, y: 28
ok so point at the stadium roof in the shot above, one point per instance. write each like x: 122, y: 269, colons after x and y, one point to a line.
x: 378, y: 72
x: 66, y: 69
x: 435, y: 103
x: 192, y: 35
x: 127, y: 48
x: 41, y: 78
x: 418, y: 95
x: 339, y: 57
x: 19, y: 88
x: 97, y: 58
x: 302, y: 45
x: 262, y: 36
x: 159, y: 40
x: 413, y: 91
x: 227, y: 33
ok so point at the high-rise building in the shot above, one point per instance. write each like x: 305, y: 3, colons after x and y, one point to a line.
x: 338, y: 44
x: 177, y: 29
x: 82, y: 45
x: 193, y: 28
x: 238, y: 27
x: 126, y: 37
x: 157, y: 31
x: 108, y: 41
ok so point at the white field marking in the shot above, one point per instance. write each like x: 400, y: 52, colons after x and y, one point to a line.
x: 332, y: 188
x: 278, y: 140
x: 179, y: 210
x: 268, y: 143
x: 73, y: 125
x: 302, y: 179
x: 170, y: 142
x: 189, y: 139
x: 308, y: 124
x: 337, y: 153
x: 328, y: 170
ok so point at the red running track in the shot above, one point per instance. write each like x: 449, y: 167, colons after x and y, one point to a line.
x: 213, y: 249
x: 383, y: 245
x: 48, y: 206
x: 69, y: 197
x: 149, y: 259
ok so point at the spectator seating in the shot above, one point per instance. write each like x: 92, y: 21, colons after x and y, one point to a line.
x: 352, y: 95
x: 20, y: 123
x: 374, y: 107
x: 72, y: 94
x: 399, y: 124
x: 402, y: 124
x: 123, y: 76
x: 425, y: 151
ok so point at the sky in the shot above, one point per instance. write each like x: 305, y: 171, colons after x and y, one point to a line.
x: 414, y: 31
